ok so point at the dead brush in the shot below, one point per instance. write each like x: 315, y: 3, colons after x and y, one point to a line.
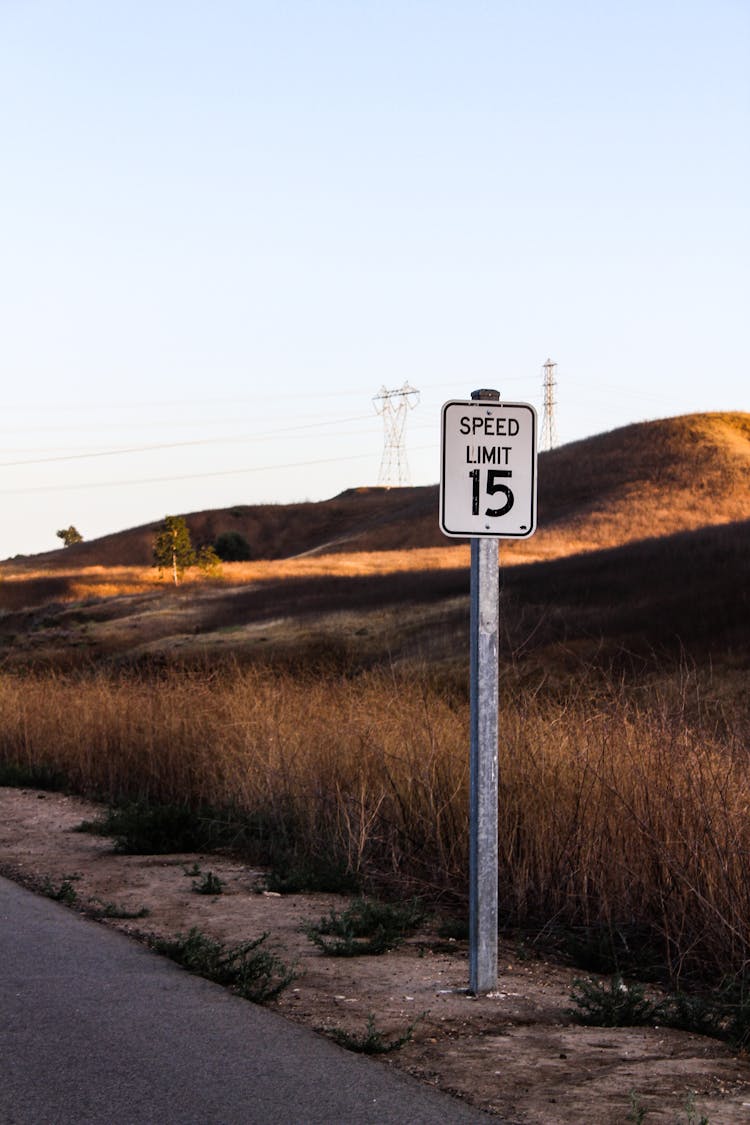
x: 621, y: 810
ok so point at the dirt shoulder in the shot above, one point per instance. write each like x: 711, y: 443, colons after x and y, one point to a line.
x: 514, y: 1053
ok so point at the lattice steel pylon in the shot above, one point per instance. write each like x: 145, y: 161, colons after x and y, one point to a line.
x: 548, y: 436
x: 394, y: 406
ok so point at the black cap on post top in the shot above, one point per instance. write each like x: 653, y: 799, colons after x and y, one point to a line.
x: 486, y: 393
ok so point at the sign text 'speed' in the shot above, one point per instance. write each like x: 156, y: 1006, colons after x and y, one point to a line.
x: 491, y: 426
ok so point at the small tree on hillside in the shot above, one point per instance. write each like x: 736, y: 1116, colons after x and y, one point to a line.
x: 208, y: 562
x: 69, y: 536
x: 173, y: 549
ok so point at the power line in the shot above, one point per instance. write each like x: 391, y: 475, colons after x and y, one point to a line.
x: 264, y: 436
x: 139, y: 424
x: 190, y: 476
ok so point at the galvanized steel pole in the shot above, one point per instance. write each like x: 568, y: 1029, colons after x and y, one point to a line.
x: 483, y: 829
x: 476, y: 503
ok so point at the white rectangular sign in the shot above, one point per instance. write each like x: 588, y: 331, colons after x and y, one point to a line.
x: 488, y: 469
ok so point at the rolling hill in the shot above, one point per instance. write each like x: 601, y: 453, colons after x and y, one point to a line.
x: 637, y: 482
x: 643, y: 550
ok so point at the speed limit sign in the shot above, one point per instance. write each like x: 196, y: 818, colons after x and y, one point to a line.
x: 488, y: 468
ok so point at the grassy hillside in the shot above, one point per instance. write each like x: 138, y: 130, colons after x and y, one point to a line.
x: 645, y: 480
x: 277, y: 531
x: 643, y: 547
x: 650, y: 479
x: 679, y: 595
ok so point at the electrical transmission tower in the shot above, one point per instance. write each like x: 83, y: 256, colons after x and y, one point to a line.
x: 394, y: 405
x: 548, y: 436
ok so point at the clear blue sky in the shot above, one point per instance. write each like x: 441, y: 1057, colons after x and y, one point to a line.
x: 225, y: 225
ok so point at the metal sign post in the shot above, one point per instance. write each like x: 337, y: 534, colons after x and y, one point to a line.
x: 487, y: 492
x: 483, y: 767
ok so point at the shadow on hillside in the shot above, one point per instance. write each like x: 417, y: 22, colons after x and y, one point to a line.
x: 686, y: 594
x: 690, y: 589
x: 310, y: 597
x: 18, y: 594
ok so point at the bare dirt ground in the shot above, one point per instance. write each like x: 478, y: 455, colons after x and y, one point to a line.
x: 515, y: 1053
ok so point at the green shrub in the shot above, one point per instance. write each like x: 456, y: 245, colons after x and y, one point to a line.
x: 614, y: 1005
x: 700, y: 1014
x: 724, y: 1014
x: 231, y: 546
x: 291, y: 874
x: 65, y: 893
x: 248, y: 969
x: 141, y: 828
x: 99, y: 910
x: 734, y: 1001
x: 210, y: 884
x: 372, y: 1041
x: 208, y: 562
x: 366, y: 927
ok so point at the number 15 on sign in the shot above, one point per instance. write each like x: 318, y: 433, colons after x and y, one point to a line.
x: 488, y: 469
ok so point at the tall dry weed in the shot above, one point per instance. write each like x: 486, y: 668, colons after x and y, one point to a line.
x: 617, y: 812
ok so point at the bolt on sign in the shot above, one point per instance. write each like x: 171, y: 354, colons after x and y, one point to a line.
x: 488, y: 469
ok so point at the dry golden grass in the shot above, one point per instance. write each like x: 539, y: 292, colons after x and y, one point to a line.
x: 645, y: 480
x: 616, y: 815
x: 356, y: 564
x: 30, y: 586
x: 105, y: 582
x: 83, y: 582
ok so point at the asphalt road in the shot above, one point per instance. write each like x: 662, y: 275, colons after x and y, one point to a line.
x: 96, y: 1028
